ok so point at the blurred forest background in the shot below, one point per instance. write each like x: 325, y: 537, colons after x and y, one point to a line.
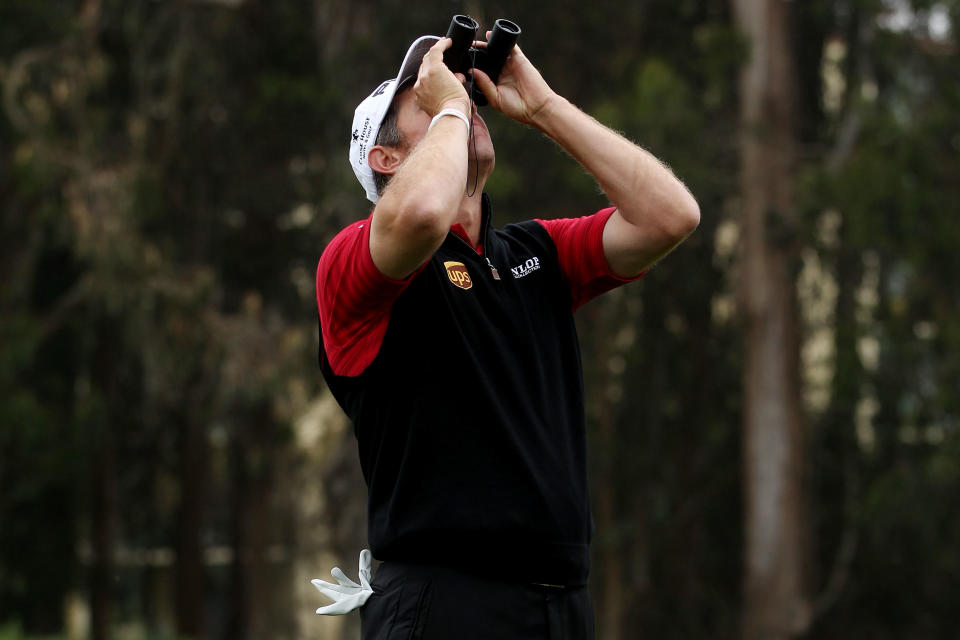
x: 774, y: 443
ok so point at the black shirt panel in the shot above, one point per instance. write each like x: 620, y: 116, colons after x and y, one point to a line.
x: 470, y: 420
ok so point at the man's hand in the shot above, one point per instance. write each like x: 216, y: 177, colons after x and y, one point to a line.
x: 521, y: 92
x: 437, y: 87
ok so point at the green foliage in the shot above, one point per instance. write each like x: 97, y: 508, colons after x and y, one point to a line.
x: 15, y: 632
x: 898, y: 239
x: 171, y: 171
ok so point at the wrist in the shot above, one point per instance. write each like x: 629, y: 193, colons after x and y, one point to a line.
x: 460, y: 104
x: 544, y: 117
x: 453, y: 112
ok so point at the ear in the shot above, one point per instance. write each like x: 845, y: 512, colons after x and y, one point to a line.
x: 385, y: 160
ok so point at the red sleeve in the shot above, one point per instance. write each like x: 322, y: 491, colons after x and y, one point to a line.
x: 579, y: 243
x: 354, y: 300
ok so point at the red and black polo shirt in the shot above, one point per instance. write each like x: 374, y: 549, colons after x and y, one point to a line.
x: 465, y: 389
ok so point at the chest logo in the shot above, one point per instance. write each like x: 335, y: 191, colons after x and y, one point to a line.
x: 526, y: 268
x: 458, y: 274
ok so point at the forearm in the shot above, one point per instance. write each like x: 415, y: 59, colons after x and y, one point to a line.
x: 421, y: 201
x: 654, y: 213
x: 643, y: 189
x: 429, y: 184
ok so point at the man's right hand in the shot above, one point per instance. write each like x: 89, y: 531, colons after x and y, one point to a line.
x: 437, y: 87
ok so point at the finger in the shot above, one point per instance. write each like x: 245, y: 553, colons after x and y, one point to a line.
x: 459, y: 76
x: 366, y: 559
x: 441, y: 45
x: 333, y: 593
x: 343, y: 579
x: 336, y: 609
x: 345, y: 606
x: 478, y: 43
x: 430, y: 55
x: 339, y: 608
x: 486, y: 85
x: 336, y: 593
x: 329, y: 587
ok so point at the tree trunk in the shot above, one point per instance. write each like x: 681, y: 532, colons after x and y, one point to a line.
x: 609, y: 552
x: 611, y: 547
x: 103, y: 516
x: 776, y: 603
x: 104, y: 513
x: 189, y: 570
x: 252, y: 456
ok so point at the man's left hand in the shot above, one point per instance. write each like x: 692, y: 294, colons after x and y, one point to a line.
x: 521, y: 92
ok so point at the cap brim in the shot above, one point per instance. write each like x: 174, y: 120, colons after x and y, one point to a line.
x: 411, y: 62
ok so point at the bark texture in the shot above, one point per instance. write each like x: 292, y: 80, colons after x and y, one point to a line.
x: 776, y: 604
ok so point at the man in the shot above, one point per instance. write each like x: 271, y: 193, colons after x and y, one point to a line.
x: 451, y: 345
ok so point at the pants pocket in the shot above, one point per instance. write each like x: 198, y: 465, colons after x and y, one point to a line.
x: 421, y: 611
x: 398, y: 608
x: 378, y: 613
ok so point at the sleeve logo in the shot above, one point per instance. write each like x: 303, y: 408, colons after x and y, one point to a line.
x: 458, y: 274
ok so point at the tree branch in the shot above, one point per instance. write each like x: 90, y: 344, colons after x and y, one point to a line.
x: 840, y: 571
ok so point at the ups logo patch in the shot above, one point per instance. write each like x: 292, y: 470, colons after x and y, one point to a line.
x: 458, y: 274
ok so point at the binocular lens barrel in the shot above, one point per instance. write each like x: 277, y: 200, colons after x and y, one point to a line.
x: 464, y: 22
x: 461, y: 55
x: 462, y: 31
x: 502, y: 39
x: 507, y: 26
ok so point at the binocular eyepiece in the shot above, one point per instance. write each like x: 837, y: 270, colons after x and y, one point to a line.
x: 462, y: 55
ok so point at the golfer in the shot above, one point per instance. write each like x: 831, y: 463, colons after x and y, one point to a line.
x: 450, y: 343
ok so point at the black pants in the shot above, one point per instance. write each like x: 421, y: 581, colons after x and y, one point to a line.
x: 434, y: 603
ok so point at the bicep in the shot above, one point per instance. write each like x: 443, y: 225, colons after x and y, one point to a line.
x: 631, y: 248
x: 400, y: 245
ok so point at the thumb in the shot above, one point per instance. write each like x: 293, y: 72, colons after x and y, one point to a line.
x: 486, y: 85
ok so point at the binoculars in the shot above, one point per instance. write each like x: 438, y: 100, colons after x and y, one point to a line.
x: 462, y: 55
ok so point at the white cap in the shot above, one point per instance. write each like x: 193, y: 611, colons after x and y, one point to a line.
x: 369, y: 115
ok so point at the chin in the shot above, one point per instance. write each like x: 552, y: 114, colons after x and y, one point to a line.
x: 486, y: 157
x: 485, y: 149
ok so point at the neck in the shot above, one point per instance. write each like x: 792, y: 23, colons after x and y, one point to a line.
x: 470, y: 215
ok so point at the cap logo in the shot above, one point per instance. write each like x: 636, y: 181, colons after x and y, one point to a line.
x: 458, y: 274
x: 364, y: 134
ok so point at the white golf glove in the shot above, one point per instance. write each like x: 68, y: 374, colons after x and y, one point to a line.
x: 347, y: 595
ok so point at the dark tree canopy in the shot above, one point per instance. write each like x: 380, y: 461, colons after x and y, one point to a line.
x: 170, y: 461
